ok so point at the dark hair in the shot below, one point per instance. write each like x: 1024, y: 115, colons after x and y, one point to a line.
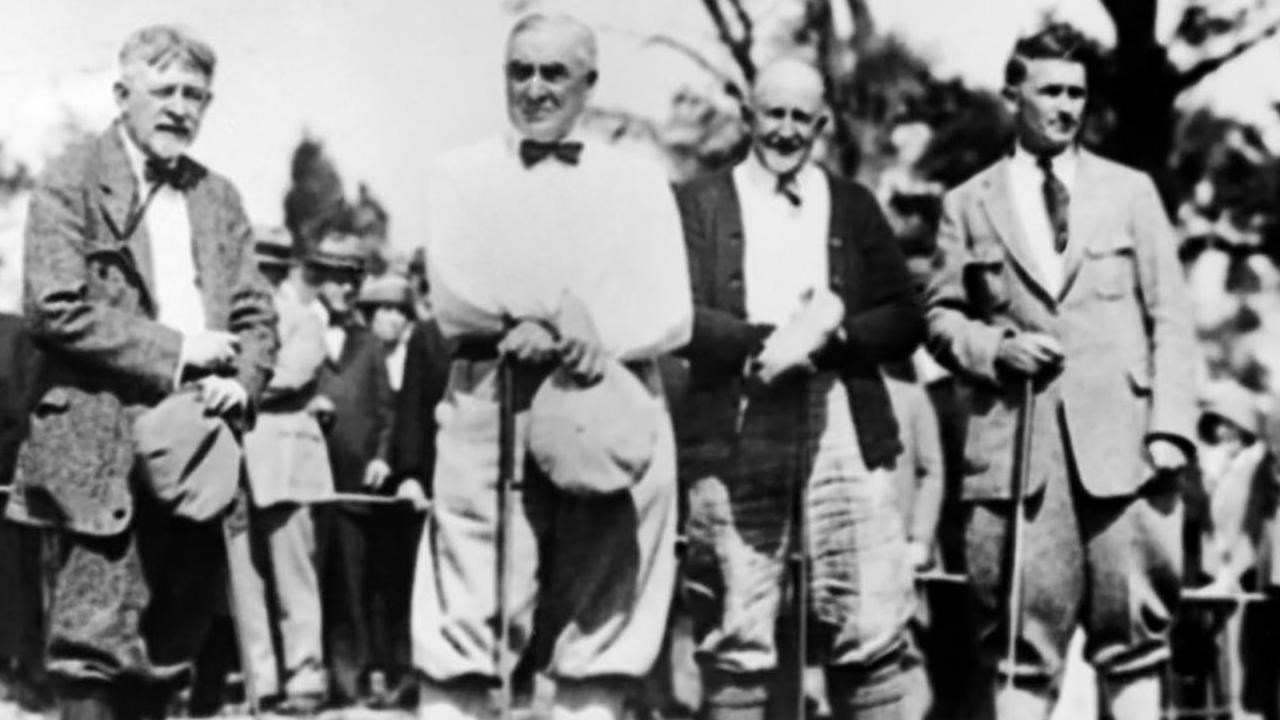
x: 1056, y: 41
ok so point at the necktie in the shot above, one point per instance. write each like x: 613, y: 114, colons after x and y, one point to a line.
x: 533, y: 152
x: 787, y: 188
x: 1057, y: 202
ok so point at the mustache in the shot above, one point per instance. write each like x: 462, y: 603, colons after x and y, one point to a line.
x: 785, y: 144
x: 538, y: 104
x: 181, y: 129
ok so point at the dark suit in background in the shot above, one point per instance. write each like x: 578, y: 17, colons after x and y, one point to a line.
x: 413, y: 459
x: 357, y: 385
x: 21, y: 602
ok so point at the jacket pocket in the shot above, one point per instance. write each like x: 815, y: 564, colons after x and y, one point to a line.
x: 1110, y: 265
x: 986, y: 279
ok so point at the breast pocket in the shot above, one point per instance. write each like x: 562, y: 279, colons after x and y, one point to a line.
x: 1110, y: 267
x: 112, y: 279
x: 986, y: 279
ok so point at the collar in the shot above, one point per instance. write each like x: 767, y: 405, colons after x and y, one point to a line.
x: 137, y: 159
x: 1064, y: 163
x: 321, y: 311
x: 766, y: 180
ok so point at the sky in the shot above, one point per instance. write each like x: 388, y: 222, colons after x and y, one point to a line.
x: 389, y: 84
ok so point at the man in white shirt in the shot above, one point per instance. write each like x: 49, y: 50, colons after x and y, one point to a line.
x: 800, y: 292
x: 553, y: 252
x: 1060, y: 268
x: 140, y: 282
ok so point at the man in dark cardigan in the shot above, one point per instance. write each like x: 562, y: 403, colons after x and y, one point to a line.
x: 800, y: 292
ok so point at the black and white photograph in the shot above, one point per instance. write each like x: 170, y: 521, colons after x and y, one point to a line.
x: 640, y: 359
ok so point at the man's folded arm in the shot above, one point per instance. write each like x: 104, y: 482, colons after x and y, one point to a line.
x: 960, y: 343
x: 60, y: 313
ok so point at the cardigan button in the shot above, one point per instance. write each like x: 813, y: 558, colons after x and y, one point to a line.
x: 835, y: 242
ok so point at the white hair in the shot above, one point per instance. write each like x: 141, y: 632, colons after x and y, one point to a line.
x: 582, y: 38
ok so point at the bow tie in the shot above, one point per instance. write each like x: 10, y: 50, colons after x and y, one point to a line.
x: 178, y: 174
x: 340, y: 321
x: 533, y: 152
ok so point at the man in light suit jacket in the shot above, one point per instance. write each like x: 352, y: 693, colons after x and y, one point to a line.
x: 139, y: 279
x: 1060, y: 267
x: 288, y: 467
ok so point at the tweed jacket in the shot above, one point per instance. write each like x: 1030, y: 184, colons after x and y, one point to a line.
x: 1122, y: 315
x: 883, y: 318
x: 285, y: 453
x: 360, y: 389
x: 88, y: 294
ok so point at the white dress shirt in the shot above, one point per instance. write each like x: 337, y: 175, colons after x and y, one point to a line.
x: 784, y: 257
x: 178, y: 301
x: 785, y: 244
x: 395, y: 359
x: 507, y: 241
x: 335, y: 336
x: 1027, y: 181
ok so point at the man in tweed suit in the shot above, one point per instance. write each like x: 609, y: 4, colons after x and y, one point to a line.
x: 140, y: 280
x: 1061, y: 267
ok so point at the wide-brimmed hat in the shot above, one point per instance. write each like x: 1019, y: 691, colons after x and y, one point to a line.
x: 272, y: 246
x: 343, y: 253
x: 190, y: 460
x: 389, y: 289
x: 595, y: 440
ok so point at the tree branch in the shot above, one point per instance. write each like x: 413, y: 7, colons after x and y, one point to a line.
x: 739, y: 47
x: 1207, y: 66
x: 864, y: 26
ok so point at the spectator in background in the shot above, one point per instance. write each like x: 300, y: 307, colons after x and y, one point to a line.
x: 22, y: 595
x: 353, y: 382
x: 918, y: 482
x: 417, y: 364
x: 288, y: 467
x: 1231, y: 505
x: 1235, y: 485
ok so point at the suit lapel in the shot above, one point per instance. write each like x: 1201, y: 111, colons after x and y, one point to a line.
x: 350, y: 346
x: 730, y: 252
x: 997, y: 201
x: 1089, y: 203
x: 117, y: 201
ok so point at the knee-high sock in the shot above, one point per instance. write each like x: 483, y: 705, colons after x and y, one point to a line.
x: 1134, y: 698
